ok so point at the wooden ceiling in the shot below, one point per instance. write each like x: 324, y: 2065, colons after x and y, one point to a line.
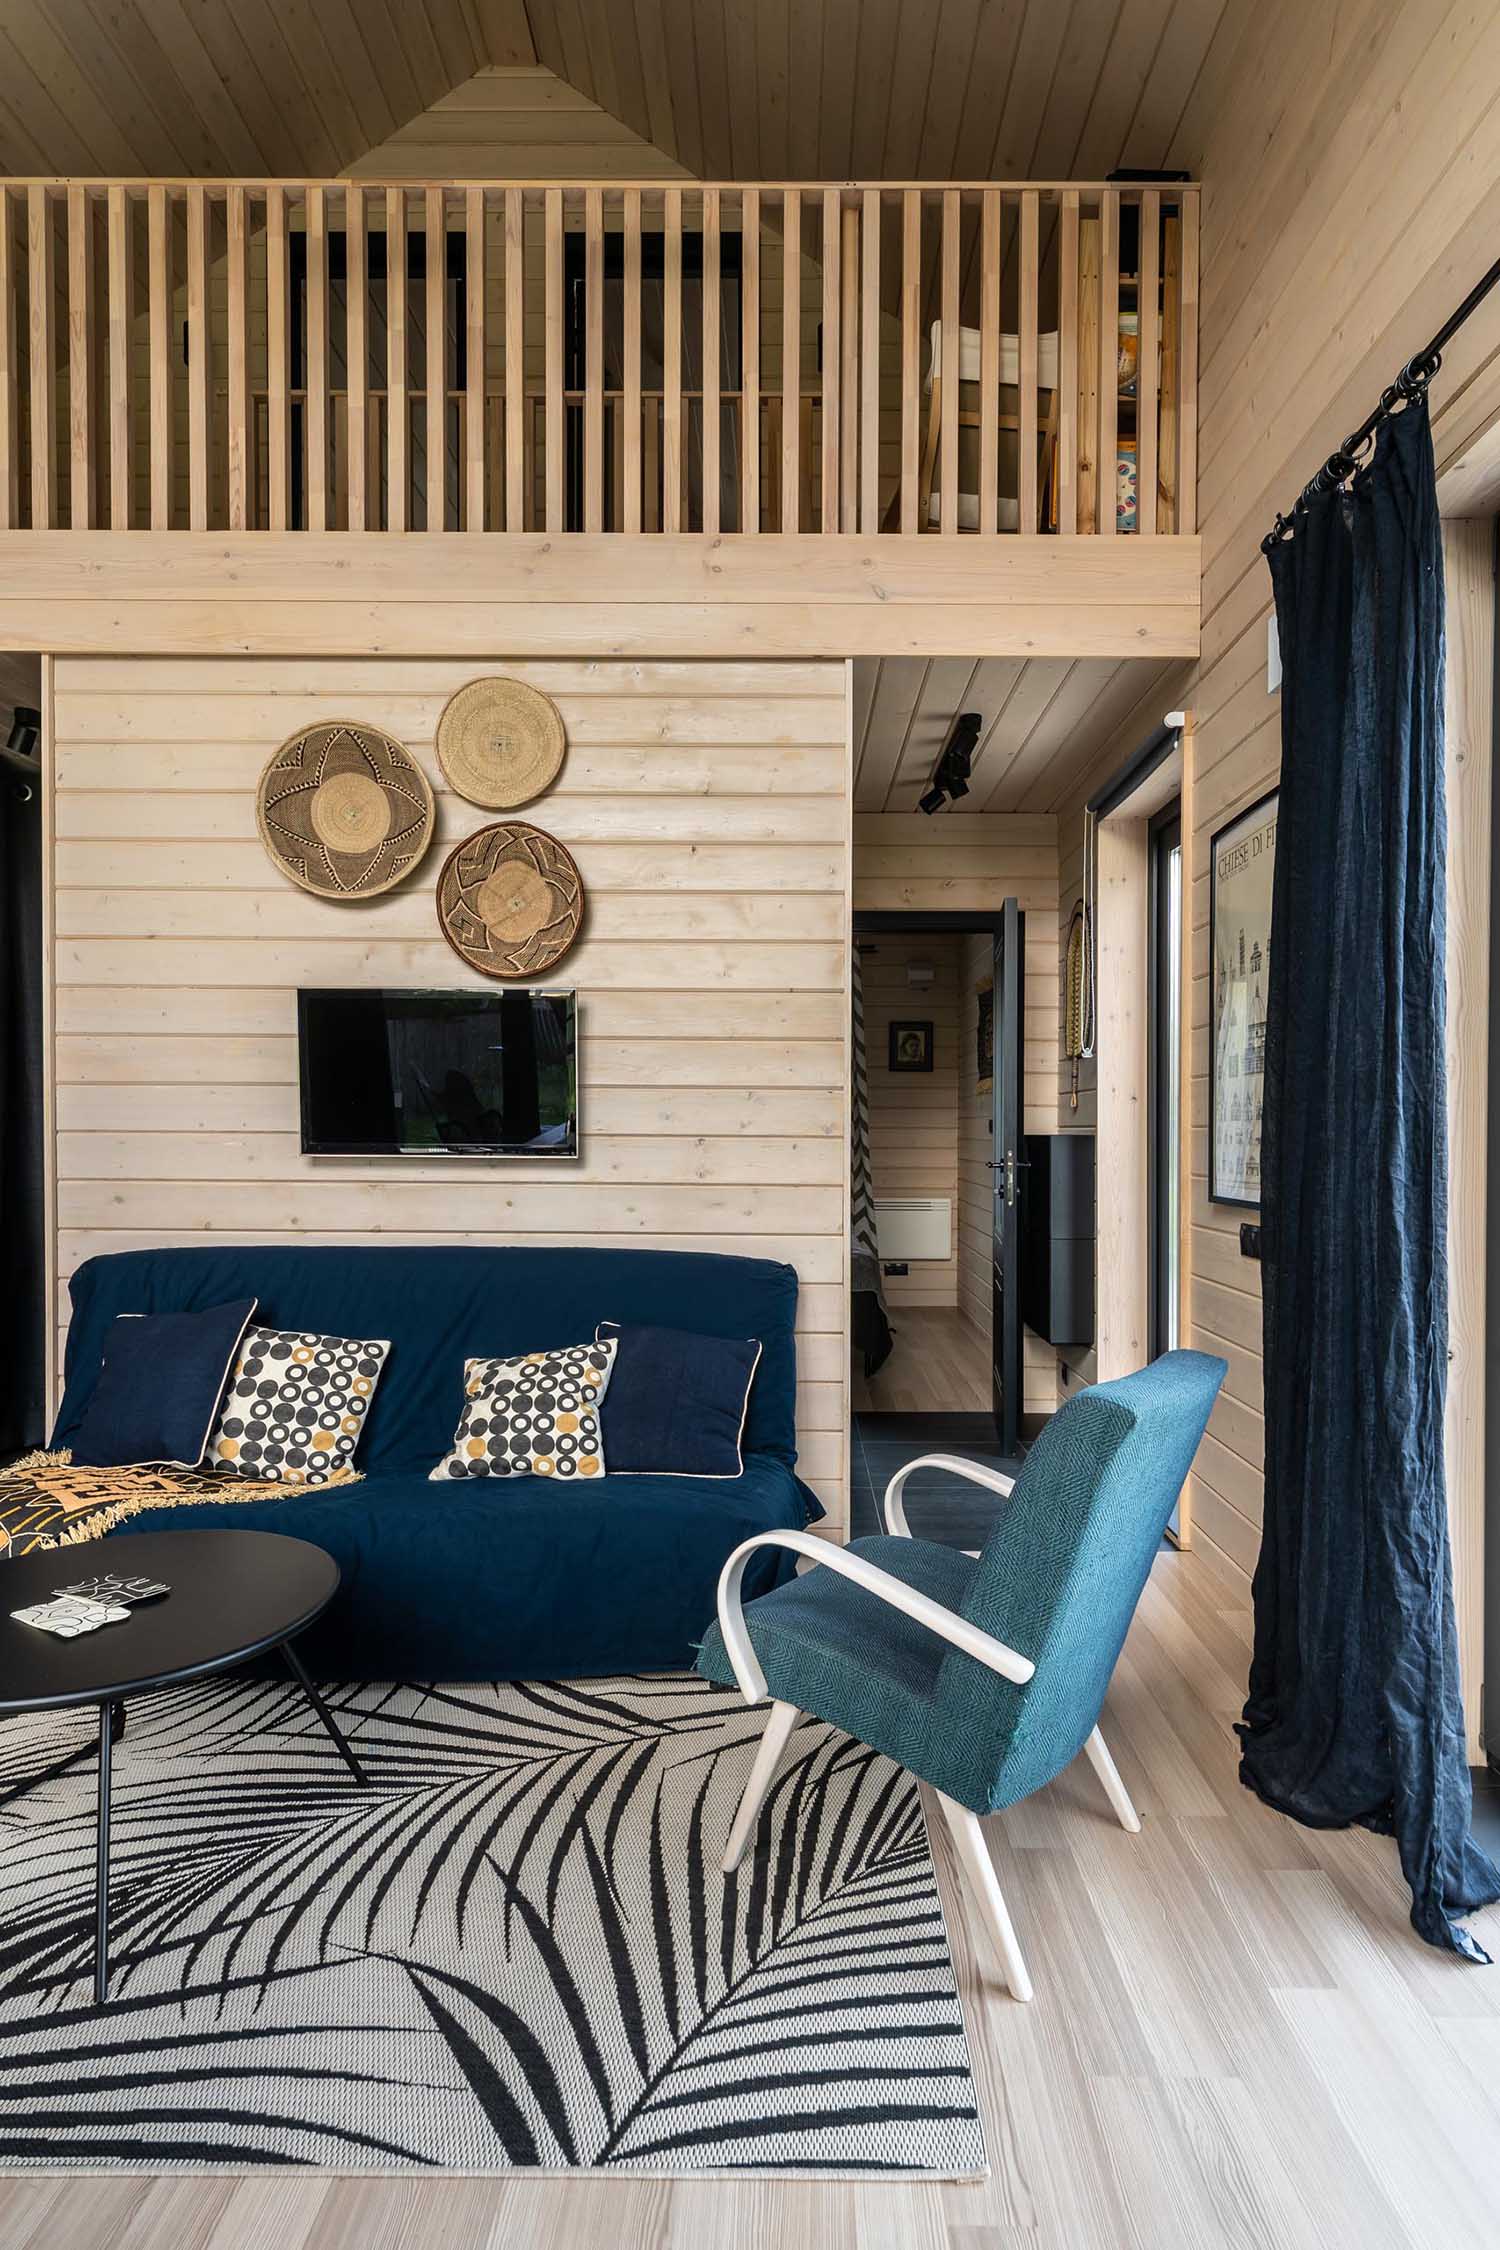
x: 232, y: 88
x: 889, y: 89
x: 731, y: 89
x: 1045, y: 721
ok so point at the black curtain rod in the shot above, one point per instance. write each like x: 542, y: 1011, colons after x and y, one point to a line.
x: 1410, y: 383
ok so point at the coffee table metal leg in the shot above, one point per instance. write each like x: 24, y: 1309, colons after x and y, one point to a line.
x: 299, y: 1673
x: 101, y: 1860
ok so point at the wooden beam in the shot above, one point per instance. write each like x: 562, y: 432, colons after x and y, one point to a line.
x: 1030, y: 285
x: 869, y: 363
x: 356, y: 356
x: 237, y: 285
x: 278, y: 364
x: 1067, y: 366
x: 474, y: 342
x: 989, y: 361
x: 849, y: 371
x: 832, y: 248
x: 671, y: 382
x: 81, y: 359
x: 515, y: 359
x: 750, y: 353
x: 41, y: 295
x: 711, y: 348
x: 630, y: 501
x: 10, y: 371
x: 791, y: 359
x: 315, y: 341
x: 911, y: 355
x: 1109, y: 359
x: 1148, y: 363
x: 435, y: 324
x: 397, y: 432
x: 820, y: 594
x: 948, y: 367
x: 1187, y: 407
x: 555, y: 434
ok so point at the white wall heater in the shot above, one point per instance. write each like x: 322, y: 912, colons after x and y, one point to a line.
x: 914, y: 1226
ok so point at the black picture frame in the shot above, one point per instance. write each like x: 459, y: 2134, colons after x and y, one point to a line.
x: 1256, y: 825
x: 910, y: 1046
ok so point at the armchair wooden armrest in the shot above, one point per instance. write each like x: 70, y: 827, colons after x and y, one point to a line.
x: 983, y: 1647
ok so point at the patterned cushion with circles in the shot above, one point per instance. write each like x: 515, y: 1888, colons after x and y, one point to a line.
x: 295, y: 1406
x: 537, y: 1416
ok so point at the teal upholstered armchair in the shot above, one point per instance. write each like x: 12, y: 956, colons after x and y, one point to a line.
x: 983, y: 1675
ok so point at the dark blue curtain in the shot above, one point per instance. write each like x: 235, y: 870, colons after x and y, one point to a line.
x: 1354, y: 1712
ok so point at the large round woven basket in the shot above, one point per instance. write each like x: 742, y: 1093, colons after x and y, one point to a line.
x: 510, y: 900
x: 343, y: 810
x: 500, y: 743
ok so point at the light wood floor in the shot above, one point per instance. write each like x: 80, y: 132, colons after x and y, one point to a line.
x: 939, y: 1364
x: 1236, y: 2040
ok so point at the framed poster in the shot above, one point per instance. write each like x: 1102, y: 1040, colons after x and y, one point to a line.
x: 984, y: 1036
x: 1242, y: 861
x: 910, y: 1046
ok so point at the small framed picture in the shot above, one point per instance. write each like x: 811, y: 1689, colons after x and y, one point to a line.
x: 911, y: 1046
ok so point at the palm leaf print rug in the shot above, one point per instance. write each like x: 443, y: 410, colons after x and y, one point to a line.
x: 515, y: 1948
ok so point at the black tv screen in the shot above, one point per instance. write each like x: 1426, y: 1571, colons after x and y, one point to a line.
x: 438, y: 1073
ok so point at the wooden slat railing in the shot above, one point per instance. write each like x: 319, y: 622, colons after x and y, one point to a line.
x: 326, y: 355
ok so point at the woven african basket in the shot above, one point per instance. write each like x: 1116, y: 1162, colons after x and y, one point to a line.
x: 343, y: 810
x: 510, y: 900
x: 500, y: 743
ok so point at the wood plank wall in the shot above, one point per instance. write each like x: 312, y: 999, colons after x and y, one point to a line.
x: 707, y: 807
x: 973, y: 864
x: 914, y: 1114
x: 1347, y: 208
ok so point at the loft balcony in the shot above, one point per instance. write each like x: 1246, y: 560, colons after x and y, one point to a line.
x: 969, y: 395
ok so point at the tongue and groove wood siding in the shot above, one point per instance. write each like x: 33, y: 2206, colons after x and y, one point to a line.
x: 707, y: 807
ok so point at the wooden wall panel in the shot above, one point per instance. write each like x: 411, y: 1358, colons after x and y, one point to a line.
x: 517, y: 124
x: 707, y: 807
x: 914, y: 1114
x: 1469, y: 574
x: 1346, y: 209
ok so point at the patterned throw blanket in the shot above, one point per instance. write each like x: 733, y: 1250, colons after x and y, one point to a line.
x: 46, y: 1502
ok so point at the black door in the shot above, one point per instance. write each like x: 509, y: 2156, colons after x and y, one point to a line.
x: 1009, y: 1172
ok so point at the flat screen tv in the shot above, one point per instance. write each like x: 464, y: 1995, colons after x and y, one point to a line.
x: 438, y: 1073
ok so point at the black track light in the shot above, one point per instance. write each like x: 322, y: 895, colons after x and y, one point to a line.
x: 950, y: 778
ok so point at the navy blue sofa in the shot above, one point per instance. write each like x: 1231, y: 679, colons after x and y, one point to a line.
x: 513, y: 1578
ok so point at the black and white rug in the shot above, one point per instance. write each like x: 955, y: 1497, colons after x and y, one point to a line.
x: 514, y: 1949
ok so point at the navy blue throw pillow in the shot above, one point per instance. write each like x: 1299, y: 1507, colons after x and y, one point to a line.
x: 676, y: 1403
x: 158, y: 1392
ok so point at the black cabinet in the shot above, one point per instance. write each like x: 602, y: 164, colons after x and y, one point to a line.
x: 1057, y: 1237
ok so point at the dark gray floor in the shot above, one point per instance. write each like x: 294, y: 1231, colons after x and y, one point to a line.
x: 939, y: 1506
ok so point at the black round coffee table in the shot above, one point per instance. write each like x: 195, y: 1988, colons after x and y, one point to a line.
x: 234, y: 1595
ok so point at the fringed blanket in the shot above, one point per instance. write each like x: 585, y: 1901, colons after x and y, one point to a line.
x: 46, y: 1502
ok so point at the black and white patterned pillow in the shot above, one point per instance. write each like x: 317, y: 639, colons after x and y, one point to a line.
x: 294, y: 1407
x: 537, y: 1416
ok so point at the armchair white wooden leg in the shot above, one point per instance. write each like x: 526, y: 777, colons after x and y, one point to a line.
x: 1115, y: 1790
x: 974, y: 1858
x: 767, y: 1758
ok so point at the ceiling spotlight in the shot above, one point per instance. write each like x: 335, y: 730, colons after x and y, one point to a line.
x: 23, y: 741
x: 950, y: 777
